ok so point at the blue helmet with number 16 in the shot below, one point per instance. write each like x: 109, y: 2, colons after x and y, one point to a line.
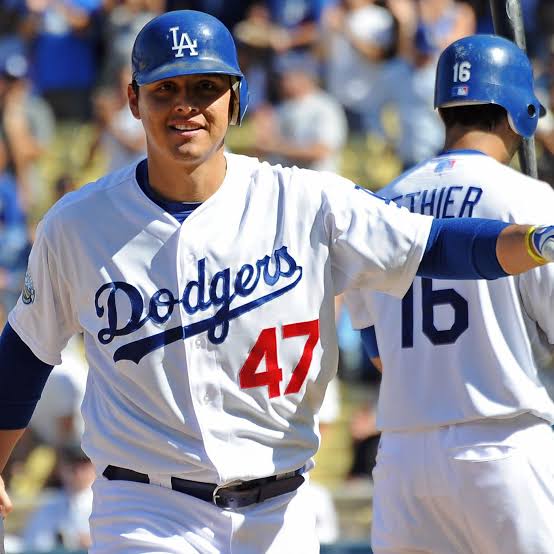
x: 188, y: 42
x: 488, y: 69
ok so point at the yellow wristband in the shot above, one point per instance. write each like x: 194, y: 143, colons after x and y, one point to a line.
x: 531, y: 249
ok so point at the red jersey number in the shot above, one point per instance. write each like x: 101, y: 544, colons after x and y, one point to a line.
x: 266, y: 348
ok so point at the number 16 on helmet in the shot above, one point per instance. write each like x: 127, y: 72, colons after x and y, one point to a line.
x: 489, y: 69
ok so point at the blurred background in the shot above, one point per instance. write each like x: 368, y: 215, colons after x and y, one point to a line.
x: 339, y: 85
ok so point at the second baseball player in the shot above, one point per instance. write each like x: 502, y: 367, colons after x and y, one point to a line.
x: 204, y: 285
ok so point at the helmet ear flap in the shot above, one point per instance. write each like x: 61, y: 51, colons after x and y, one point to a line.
x: 239, y: 100
x: 513, y: 125
x: 243, y: 98
x: 235, y: 102
x: 525, y: 125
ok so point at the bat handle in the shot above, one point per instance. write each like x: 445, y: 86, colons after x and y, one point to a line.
x: 2, y: 549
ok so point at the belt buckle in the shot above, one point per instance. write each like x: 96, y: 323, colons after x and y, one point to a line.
x: 216, y: 495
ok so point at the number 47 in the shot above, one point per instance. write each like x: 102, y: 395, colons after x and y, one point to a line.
x: 266, y: 348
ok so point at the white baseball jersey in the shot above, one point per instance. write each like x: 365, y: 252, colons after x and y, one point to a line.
x: 211, y: 343
x: 456, y: 351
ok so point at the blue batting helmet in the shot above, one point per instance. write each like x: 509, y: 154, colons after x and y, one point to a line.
x: 488, y: 69
x: 188, y: 42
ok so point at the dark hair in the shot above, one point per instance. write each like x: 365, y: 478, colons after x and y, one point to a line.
x: 480, y: 116
x: 135, y: 86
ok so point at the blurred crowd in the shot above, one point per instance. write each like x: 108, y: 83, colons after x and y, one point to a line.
x: 338, y: 85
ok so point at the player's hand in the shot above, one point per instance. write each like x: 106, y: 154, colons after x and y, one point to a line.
x: 542, y: 242
x: 6, y: 505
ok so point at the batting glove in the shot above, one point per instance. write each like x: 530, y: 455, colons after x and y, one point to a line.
x: 540, y: 243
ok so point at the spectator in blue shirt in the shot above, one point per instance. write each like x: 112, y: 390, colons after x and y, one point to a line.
x: 14, y: 242
x: 65, y: 54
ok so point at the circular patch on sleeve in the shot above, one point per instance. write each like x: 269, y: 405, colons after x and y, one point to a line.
x: 28, y: 294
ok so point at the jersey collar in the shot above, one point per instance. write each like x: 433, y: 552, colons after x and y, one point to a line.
x: 462, y: 151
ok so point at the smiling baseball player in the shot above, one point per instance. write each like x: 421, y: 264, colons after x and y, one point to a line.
x: 204, y: 284
x: 466, y: 459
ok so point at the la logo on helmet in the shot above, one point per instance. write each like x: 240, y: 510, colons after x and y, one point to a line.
x: 184, y: 43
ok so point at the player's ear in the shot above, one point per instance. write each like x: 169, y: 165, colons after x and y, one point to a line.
x: 132, y: 96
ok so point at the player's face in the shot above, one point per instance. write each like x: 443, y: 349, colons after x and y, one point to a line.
x: 185, y: 118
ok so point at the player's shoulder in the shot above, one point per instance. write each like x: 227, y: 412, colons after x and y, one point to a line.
x: 536, y: 186
x: 520, y: 194
x: 79, y: 202
x: 450, y: 166
x: 291, y: 179
x: 502, y: 183
x: 529, y: 186
x: 308, y: 179
x: 406, y: 179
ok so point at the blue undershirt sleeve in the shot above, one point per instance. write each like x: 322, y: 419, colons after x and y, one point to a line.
x: 462, y: 248
x: 369, y: 340
x: 22, y: 380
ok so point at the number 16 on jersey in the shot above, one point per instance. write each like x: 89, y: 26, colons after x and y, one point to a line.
x: 430, y: 298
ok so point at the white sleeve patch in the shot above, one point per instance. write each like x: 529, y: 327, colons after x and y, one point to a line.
x: 43, y: 317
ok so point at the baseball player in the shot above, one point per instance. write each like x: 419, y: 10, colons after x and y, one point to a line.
x: 466, y: 459
x: 204, y: 284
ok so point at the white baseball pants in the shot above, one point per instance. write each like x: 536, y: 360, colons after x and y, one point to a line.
x: 484, y: 487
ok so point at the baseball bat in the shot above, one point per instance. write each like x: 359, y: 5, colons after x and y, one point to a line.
x: 507, y: 19
x: 2, y: 550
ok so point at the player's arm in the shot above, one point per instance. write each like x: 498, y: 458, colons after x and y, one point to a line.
x: 476, y: 249
x: 369, y: 341
x: 470, y: 248
x: 22, y: 379
x: 523, y: 247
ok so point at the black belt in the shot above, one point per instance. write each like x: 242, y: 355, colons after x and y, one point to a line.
x: 233, y: 495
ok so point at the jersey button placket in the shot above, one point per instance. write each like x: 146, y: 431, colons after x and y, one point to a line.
x: 201, y: 361
x: 199, y: 343
x: 187, y: 272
